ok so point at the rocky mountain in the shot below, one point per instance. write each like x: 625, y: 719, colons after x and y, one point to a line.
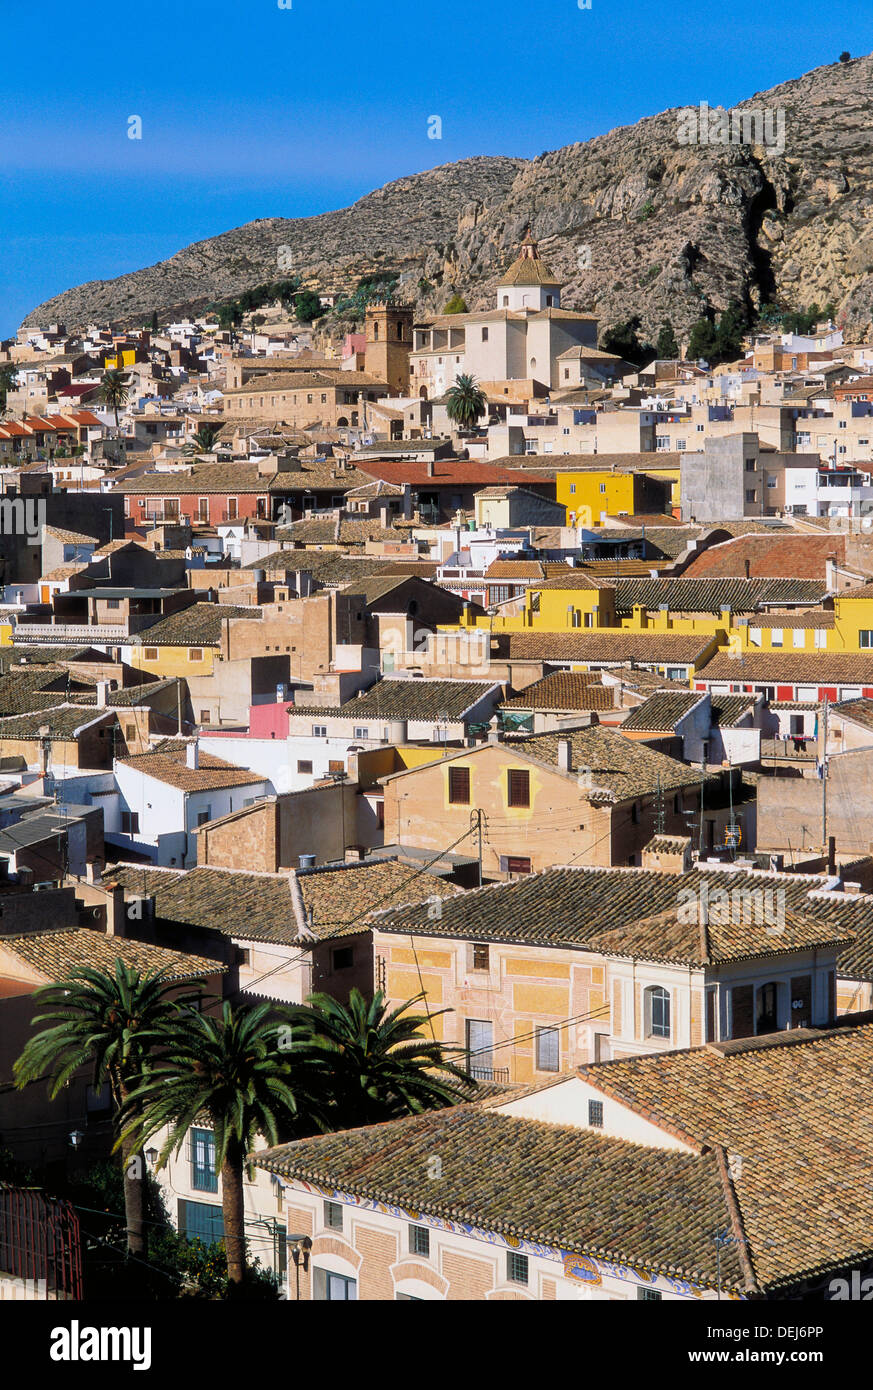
x: 657, y: 219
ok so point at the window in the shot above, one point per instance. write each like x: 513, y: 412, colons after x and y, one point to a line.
x: 865, y: 637
x: 798, y: 637
x: 344, y: 958
x: 657, y: 1012
x: 750, y: 494
x: 481, y: 957
x: 151, y: 654
x: 821, y: 638
x: 548, y: 1049
x: 595, y: 1114
x: 205, y: 716
x: 419, y: 1240
x: 319, y: 731
x: 204, y: 816
x: 201, y: 1221
x: 484, y: 335
x: 776, y: 637
x: 362, y: 733
x: 113, y: 603
x: 333, y: 1288
x: 130, y: 822
x: 203, y: 1175
x: 516, y: 1267
x: 333, y: 1216
x: 336, y: 765
x: 480, y: 1041
x: 195, y: 654
x: 518, y: 787
x: 514, y: 864
x: 648, y: 1295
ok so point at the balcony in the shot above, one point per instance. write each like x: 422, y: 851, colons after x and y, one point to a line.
x: 62, y: 633
x: 497, y: 1074
x: 790, y: 750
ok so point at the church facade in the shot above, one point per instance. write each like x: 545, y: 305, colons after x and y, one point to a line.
x: 520, y: 339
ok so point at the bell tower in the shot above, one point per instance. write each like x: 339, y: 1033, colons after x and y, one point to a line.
x: 389, y: 343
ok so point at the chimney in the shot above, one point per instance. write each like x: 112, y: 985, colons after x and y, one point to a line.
x: 565, y: 750
x: 831, y: 573
x: 102, y: 692
x: 430, y: 468
x: 192, y: 755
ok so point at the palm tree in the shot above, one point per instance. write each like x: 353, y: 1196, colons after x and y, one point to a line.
x: 113, y: 390
x: 372, y: 1064
x: 203, y: 440
x: 465, y: 401
x: 231, y: 1072
x: 111, y: 1022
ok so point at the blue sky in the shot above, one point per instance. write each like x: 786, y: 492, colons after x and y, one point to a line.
x: 250, y: 110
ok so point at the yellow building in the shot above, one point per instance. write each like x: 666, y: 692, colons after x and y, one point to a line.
x: 591, y: 494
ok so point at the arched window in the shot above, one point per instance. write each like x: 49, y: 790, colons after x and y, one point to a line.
x: 657, y: 1012
x: 375, y: 332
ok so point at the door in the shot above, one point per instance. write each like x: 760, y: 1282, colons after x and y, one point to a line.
x: 765, y: 1015
x: 742, y: 1011
x: 801, y: 1001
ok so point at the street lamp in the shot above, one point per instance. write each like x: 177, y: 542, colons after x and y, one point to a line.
x: 76, y: 1138
x: 300, y: 1255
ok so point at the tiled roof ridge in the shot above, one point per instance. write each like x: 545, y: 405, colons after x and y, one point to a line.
x: 736, y: 1220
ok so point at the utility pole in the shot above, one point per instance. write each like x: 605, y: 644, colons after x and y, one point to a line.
x: 476, y: 820
x: 702, y: 785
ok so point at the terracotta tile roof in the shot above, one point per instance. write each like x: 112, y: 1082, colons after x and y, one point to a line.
x: 64, y: 721
x: 816, y: 618
x: 70, y: 537
x: 607, y: 645
x: 859, y: 711
x: 728, y: 710
x: 553, y: 1184
x: 169, y: 766
x: 678, y: 938
x: 564, y: 690
x: 199, y: 625
x: 399, y: 698
x: 624, y: 768
x: 575, y: 907
x: 789, y: 668
x: 336, y: 531
x: 712, y: 595
x: 331, y: 901
x: 799, y: 1113
x: 56, y: 953
x: 450, y: 472
x: 573, y: 579
x: 772, y: 556
x: 662, y: 711
x: 239, y: 479
x: 515, y: 569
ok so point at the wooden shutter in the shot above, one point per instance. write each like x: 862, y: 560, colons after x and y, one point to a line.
x: 801, y: 1001
x: 518, y: 787
x: 459, y: 785
x: 742, y: 1011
